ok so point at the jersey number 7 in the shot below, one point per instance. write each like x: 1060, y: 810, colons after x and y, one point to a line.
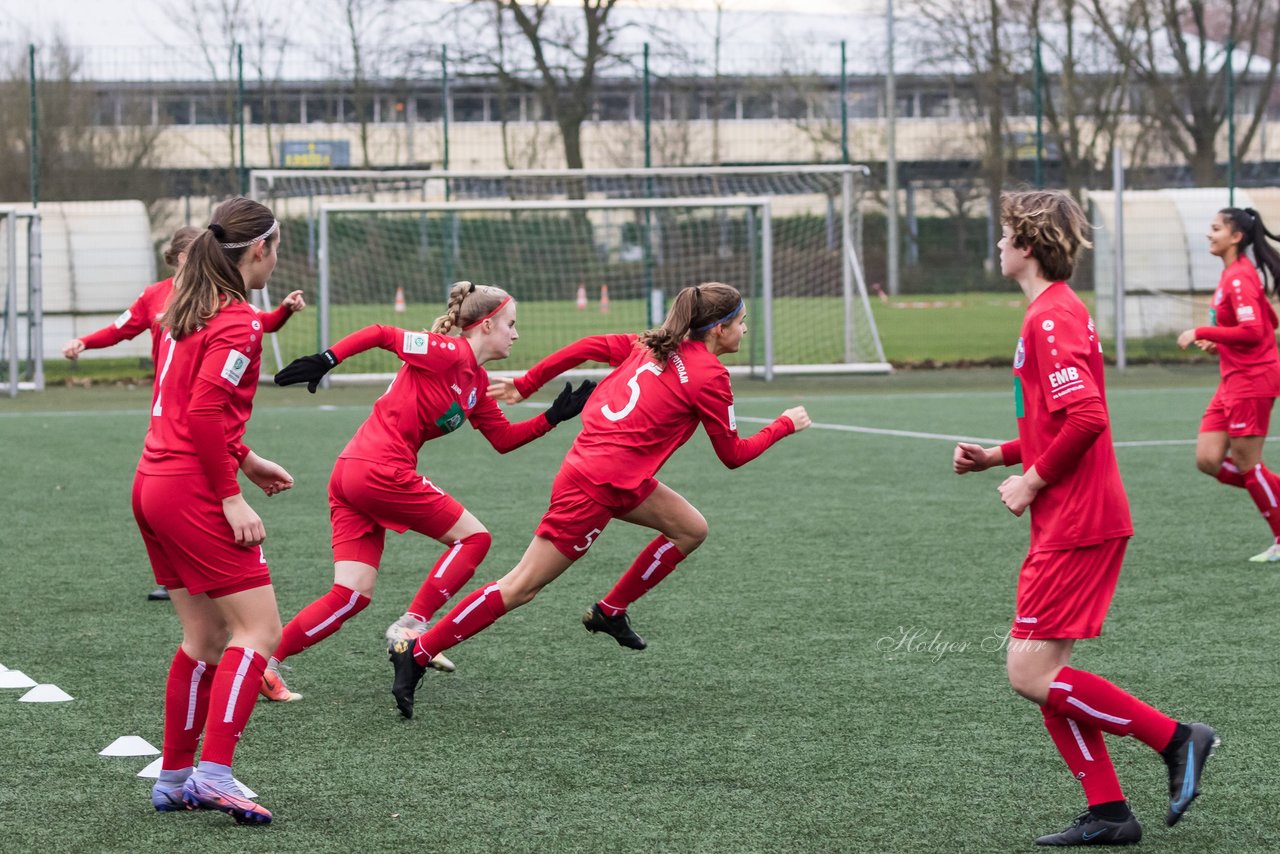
x: 634, y: 385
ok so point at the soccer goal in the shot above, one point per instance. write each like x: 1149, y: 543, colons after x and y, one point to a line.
x: 21, y: 339
x: 822, y: 320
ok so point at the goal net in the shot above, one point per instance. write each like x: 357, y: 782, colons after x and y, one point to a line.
x: 21, y: 338
x: 643, y: 253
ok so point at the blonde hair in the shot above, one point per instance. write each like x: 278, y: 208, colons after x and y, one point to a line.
x: 693, y: 308
x: 211, y: 280
x: 467, y: 304
x: 1051, y: 225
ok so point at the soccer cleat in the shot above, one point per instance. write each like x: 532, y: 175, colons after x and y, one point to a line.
x: 160, y: 594
x: 273, y: 687
x: 1088, y: 829
x: 224, y: 796
x: 1186, y: 768
x: 619, y: 627
x: 408, y: 675
x: 408, y: 628
x: 167, y: 797
x: 1271, y: 555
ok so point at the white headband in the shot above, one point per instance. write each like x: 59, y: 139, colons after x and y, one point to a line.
x: 275, y: 223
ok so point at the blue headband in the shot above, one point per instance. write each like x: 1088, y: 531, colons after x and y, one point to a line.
x: 730, y: 316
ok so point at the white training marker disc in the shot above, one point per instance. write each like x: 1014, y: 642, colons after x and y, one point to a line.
x: 45, y: 694
x: 129, y: 745
x: 16, y: 679
x: 152, y: 771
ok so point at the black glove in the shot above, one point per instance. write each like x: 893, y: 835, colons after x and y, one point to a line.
x: 569, y: 402
x: 309, y: 370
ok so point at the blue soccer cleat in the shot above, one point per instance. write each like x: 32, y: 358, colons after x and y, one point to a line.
x: 223, y: 796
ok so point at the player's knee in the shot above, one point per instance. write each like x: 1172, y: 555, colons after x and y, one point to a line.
x: 1208, y: 463
x: 694, y: 534
x: 1027, y: 683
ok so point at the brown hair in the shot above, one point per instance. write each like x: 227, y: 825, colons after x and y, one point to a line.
x: 1051, y: 225
x: 210, y: 280
x: 179, y: 243
x: 693, y: 309
x: 467, y: 304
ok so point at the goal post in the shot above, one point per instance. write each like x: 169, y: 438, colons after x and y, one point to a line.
x: 816, y: 235
x: 576, y: 267
x: 22, y: 334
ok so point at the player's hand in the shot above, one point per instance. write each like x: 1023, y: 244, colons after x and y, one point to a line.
x: 799, y: 417
x: 73, y: 348
x: 270, y: 477
x: 570, y: 401
x: 1018, y: 491
x: 307, y: 369
x: 504, y: 389
x: 294, y: 302
x: 1206, y: 345
x: 1186, y: 338
x: 244, y: 522
x: 969, y: 457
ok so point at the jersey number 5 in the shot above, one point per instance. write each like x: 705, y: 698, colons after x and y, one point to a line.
x: 634, y: 385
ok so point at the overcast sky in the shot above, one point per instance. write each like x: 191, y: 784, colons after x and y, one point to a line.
x: 141, y: 23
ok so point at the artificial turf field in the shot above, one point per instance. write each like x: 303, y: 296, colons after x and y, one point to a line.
x: 776, y: 708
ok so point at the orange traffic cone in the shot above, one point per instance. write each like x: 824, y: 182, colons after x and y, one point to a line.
x: 604, y: 299
x: 582, y: 297
x: 400, y: 309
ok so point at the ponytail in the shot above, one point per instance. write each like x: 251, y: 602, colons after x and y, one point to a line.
x: 1266, y: 258
x: 694, y: 312
x: 179, y: 243
x: 469, y: 304
x: 211, y: 280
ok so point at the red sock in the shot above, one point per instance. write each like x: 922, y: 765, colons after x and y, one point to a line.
x: 1230, y: 474
x: 1085, y: 752
x: 320, y: 619
x: 471, y: 616
x: 186, y: 703
x: 1087, y: 698
x: 655, y: 562
x: 1265, y: 492
x: 235, y: 690
x: 454, y: 569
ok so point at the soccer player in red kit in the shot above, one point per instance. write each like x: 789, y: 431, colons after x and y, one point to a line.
x: 203, y: 539
x: 147, y: 313
x: 1079, y: 528
x: 666, y: 382
x: 1242, y: 330
x: 375, y: 484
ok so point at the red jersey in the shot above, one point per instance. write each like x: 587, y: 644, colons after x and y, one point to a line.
x: 1058, y: 362
x: 147, y: 312
x: 1243, y: 325
x: 206, y: 380
x: 439, y: 386
x: 643, y: 411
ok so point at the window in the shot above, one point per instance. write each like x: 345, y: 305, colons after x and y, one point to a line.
x: 468, y: 108
x: 212, y: 109
x: 174, y: 110
x: 935, y: 105
x: 792, y: 107
x: 506, y: 108
x: 757, y: 106
x: 428, y: 108
x: 614, y: 108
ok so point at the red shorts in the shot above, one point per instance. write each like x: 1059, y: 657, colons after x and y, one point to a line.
x: 580, y: 511
x: 1246, y: 416
x: 366, y: 498
x: 189, y: 541
x: 1066, y: 594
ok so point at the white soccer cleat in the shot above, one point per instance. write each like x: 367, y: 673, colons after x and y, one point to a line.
x: 408, y: 627
x: 441, y: 663
x: 1271, y: 555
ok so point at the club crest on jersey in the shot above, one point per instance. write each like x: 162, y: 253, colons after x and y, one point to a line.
x: 233, y: 370
x: 1020, y: 355
x: 471, y: 399
x: 415, y: 342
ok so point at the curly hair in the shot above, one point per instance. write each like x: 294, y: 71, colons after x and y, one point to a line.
x: 1051, y: 225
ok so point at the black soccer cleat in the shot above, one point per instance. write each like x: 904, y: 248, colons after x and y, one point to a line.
x: 408, y: 675
x: 160, y: 594
x: 1088, y: 829
x: 1185, y: 768
x: 619, y: 627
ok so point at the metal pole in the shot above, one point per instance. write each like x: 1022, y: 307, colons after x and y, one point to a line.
x: 846, y: 271
x: 766, y: 276
x: 444, y: 110
x: 1117, y: 260
x: 244, y: 173
x: 656, y: 297
x: 648, y: 116
x: 1039, y: 91
x: 11, y: 302
x: 844, y: 104
x: 891, y: 159
x: 35, y: 129
x: 35, y: 299
x: 1231, y: 123
x: 322, y: 291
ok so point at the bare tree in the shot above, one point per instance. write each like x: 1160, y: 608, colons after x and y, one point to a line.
x: 1171, y: 49
x: 367, y: 26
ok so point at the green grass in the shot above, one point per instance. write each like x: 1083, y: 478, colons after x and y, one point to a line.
x: 766, y: 715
